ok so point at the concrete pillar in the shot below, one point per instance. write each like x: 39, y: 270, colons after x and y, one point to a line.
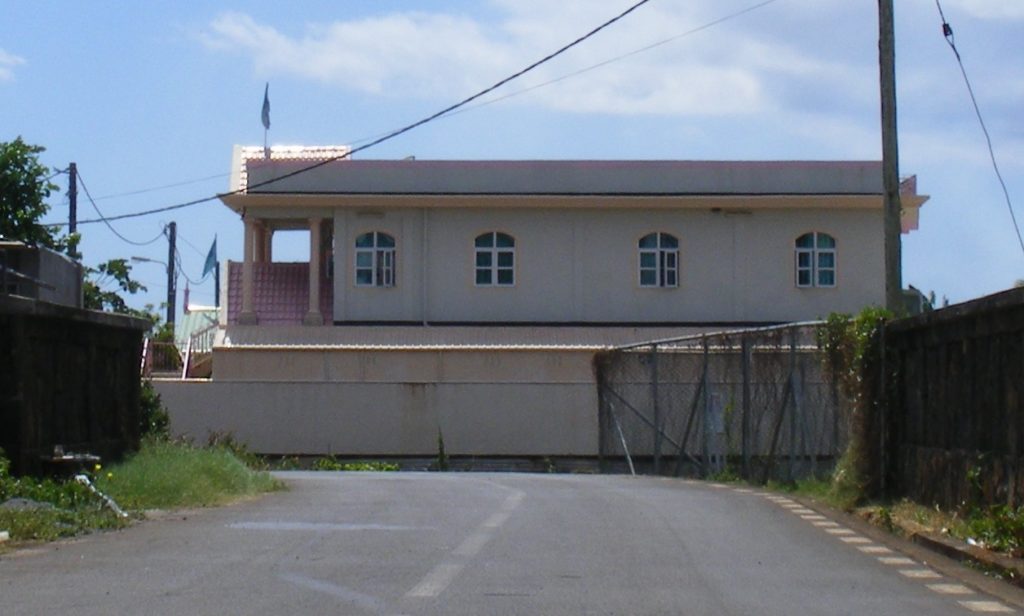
x: 268, y: 244
x: 313, y: 317
x: 260, y: 243
x: 248, y: 314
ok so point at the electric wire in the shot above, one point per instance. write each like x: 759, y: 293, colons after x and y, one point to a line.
x: 106, y: 221
x: 181, y: 269
x: 947, y: 32
x: 601, y: 64
x: 56, y: 173
x: 388, y: 136
x: 142, y: 191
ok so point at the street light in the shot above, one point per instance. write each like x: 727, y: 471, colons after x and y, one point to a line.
x: 171, y: 290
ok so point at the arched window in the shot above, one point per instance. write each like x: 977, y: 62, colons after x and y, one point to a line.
x: 495, y: 256
x: 375, y: 260
x: 815, y: 260
x: 659, y: 260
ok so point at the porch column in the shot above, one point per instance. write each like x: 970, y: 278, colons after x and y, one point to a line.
x: 248, y: 315
x: 313, y: 317
x: 260, y: 243
x: 268, y: 244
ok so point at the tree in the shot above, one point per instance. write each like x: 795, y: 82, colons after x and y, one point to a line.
x: 24, y: 187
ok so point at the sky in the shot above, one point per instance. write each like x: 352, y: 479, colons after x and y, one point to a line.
x: 149, y: 98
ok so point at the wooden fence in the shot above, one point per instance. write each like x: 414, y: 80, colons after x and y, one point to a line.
x: 955, y: 419
x: 68, y: 377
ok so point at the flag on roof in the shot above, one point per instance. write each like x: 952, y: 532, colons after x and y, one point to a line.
x: 211, y: 258
x: 266, y: 107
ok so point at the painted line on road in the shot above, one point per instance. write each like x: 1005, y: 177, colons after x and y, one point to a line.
x: 896, y: 561
x: 315, y: 526
x: 444, y: 573
x: 839, y: 531
x: 813, y: 517
x: 991, y: 607
x: 364, y: 601
x: 825, y: 524
x: 950, y: 589
x: 855, y: 539
x: 920, y: 574
x: 875, y: 549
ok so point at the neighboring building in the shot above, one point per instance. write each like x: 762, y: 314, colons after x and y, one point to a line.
x: 479, y: 273
x: 39, y: 273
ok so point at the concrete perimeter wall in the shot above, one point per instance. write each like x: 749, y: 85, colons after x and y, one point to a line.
x: 392, y: 402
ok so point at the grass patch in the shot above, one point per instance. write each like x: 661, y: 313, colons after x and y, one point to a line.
x: 330, y: 463
x: 165, y: 474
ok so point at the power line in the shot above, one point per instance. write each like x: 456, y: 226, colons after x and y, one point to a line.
x: 181, y: 269
x: 163, y: 187
x: 947, y: 31
x: 107, y: 221
x: 391, y: 135
x: 603, y: 63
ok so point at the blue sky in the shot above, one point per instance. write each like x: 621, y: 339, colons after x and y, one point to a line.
x: 144, y: 95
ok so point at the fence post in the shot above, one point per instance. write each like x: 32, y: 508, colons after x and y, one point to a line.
x: 796, y: 407
x: 745, y: 423
x: 705, y: 450
x: 656, y: 409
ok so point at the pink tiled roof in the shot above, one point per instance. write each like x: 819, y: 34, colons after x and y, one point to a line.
x: 311, y: 153
x: 280, y: 293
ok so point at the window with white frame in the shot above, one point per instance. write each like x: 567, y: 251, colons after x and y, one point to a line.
x: 659, y: 260
x: 815, y: 260
x: 375, y: 260
x: 495, y: 255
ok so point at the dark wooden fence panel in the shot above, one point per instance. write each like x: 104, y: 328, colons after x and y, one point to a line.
x: 955, y: 410
x: 68, y: 377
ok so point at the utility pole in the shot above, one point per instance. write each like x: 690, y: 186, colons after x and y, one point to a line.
x: 172, y: 292
x: 72, y: 197
x: 890, y: 158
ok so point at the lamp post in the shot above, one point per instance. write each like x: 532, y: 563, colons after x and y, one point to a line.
x: 171, y: 291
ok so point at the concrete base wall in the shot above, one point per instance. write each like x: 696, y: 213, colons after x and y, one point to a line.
x: 367, y: 419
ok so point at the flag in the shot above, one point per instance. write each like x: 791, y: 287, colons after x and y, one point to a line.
x: 211, y: 259
x: 266, y: 107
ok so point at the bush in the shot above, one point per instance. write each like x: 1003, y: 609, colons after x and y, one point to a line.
x: 154, y: 421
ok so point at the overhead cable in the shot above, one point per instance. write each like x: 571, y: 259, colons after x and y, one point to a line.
x: 107, y: 220
x: 388, y: 136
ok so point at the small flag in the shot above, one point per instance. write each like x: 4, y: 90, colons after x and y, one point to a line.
x: 266, y: 107
x: 211, y: 259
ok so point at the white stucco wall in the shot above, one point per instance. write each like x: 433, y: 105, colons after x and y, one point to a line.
x: 580, y: 265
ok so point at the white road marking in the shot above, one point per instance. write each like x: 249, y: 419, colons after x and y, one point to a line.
x: 718, y: 485
x: 792, y: 505
x: 993, y: 607
x: 315, y: 526
x: 812, y: 517
x: 855, y: 539
x: 839, y: 531
x: 874, y: 549
x: 950, y: 589
x: 744, y: 491
x: 445, y: 572
x: 437, y: 580
x: 364, y: 601
x: 826, y: 524
x: 920, y: 574
x: 803, y: 510
x: 896, y: 560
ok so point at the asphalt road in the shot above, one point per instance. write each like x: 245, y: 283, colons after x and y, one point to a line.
x: 446, y: 544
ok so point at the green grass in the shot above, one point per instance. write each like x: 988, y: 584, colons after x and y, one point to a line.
x: 165, y: 475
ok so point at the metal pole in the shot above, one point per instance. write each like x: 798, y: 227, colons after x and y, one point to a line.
x: 793, y: 413
x: 172, y: 292
x: 890, y: 157
x: 745, y: 428
x: 656, y: 409
x: 72, y: 198
x: 705, y: 451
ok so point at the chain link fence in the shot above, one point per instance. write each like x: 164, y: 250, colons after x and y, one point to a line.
x: 753, y: 403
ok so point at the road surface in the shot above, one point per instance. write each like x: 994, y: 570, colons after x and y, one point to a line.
x: 447, y: 544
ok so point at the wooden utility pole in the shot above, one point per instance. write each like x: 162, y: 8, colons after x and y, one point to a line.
x: 72, y: 198
x: 890, y: 158
x: 172, y: 292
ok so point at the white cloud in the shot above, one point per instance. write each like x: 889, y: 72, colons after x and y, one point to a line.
x: 435, y: 55
x: 7, y: 63
x: 991, y: 9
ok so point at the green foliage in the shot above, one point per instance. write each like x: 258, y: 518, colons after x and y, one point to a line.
x: 98, y: 295
x: 330, y: 463
x: 24, y: 188
x: 62, y: 508
x: 852, y: 358
x: 999, y: 528
x: 154, y: 423
x: 226, y: 440
x: 442, y: 456
x: 165, y: 474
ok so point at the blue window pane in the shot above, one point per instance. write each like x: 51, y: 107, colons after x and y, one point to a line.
x: 484, y: 241
x: 483, y: 259
x: 385, y: 241
x: 504, y: 259
x: 805, y: 241
x: 365, y: 240
x: 649, y: 241
x: 803, y: 278
x: 826, y: 278
x: 670, y: 260
x: 826, y: 241
x: 504, y: 276
x: 364, y: 276
x: 803, y: 259
x: 648, y: 278
x: 364, y: 259
x: 670, y: 279
x: 827, y: 260
x: 505, y: 241
x: 648, y: 259
x: 669, y: 241
x: 483, y: 276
